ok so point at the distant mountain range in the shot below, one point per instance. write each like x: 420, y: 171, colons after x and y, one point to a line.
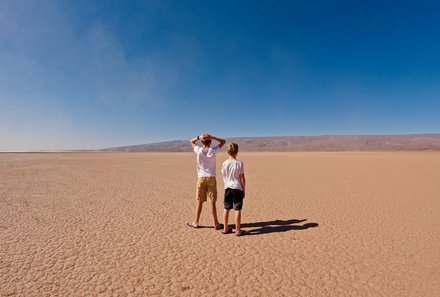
x: 415, y: 142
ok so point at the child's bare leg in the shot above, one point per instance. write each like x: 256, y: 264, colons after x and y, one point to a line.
x: 214, y: 215
x: 238, y: 221
x: 198, y: 212
x: 225, y: 219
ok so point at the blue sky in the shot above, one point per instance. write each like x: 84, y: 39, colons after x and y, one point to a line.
x: 95, y: 74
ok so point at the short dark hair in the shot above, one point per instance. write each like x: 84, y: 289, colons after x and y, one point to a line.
x: 206, y: 141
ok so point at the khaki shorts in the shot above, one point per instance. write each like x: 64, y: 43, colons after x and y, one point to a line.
x: 206, y: 189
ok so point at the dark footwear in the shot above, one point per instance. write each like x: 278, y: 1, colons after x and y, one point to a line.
x: 220, y: 226
x: 192, y: 226
x: 227, y: 232
x: 242, y: 232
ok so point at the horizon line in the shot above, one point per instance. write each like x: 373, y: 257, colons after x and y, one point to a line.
x: 179, y: 140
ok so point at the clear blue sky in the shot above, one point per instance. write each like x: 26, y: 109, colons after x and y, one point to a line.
x: 93, y: 74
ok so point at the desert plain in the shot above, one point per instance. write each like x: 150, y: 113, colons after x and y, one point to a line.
x: 321, y: 224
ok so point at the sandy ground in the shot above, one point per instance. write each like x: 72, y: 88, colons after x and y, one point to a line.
x: 322, y: 224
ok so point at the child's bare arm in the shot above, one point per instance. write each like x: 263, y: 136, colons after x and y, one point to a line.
x: 243, y: 183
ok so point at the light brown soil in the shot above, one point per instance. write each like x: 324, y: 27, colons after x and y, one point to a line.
x: 322, y: 224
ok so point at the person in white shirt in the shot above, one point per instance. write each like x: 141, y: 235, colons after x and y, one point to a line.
x: 206, y: 182
x: 235, y: 187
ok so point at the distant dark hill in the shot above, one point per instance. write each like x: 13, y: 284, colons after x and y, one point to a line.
x: 167, y: 146
x: 306, y: 143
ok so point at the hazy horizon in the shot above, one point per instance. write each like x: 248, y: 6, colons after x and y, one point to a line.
x: 91, y: 75
x: 341, y: 142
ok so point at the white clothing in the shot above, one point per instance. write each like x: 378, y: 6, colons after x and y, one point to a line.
x: 206, y: 160
x: 231, y: 170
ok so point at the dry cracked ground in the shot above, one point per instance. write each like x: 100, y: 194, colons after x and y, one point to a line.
x: 321, y: 224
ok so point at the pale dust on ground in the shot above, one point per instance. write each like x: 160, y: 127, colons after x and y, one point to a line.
x: 322, y: 224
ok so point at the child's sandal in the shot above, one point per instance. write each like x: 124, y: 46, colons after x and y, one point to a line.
x: 242, y: 232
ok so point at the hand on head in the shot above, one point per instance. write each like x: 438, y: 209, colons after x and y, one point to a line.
x: 205, y: 136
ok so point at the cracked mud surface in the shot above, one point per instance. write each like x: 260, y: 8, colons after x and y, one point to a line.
x: 321, y: 224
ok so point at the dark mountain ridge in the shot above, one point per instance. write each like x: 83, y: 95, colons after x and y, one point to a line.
x: 416, y: 142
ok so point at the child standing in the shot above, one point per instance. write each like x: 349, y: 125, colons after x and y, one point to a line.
x: 235, y: 186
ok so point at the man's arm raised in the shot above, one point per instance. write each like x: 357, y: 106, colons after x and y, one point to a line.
x: 194, y: 140
x: 220, y: 140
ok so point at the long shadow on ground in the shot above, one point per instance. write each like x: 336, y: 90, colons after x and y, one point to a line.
x: 277, y: 226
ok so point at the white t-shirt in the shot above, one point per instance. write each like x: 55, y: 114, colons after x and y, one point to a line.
x: 206, y: 160
x: 231, y: 170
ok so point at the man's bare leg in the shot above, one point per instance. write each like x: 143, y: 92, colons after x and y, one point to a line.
x: 198, y: 212
x: 237, y: 221
x: 214, y: 215
x: 225, y: 220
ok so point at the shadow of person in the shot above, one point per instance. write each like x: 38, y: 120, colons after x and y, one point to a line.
x: 277, y: 226
x: 271, y: 223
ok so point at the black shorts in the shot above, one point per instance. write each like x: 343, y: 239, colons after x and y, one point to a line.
x: 233, y: 198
